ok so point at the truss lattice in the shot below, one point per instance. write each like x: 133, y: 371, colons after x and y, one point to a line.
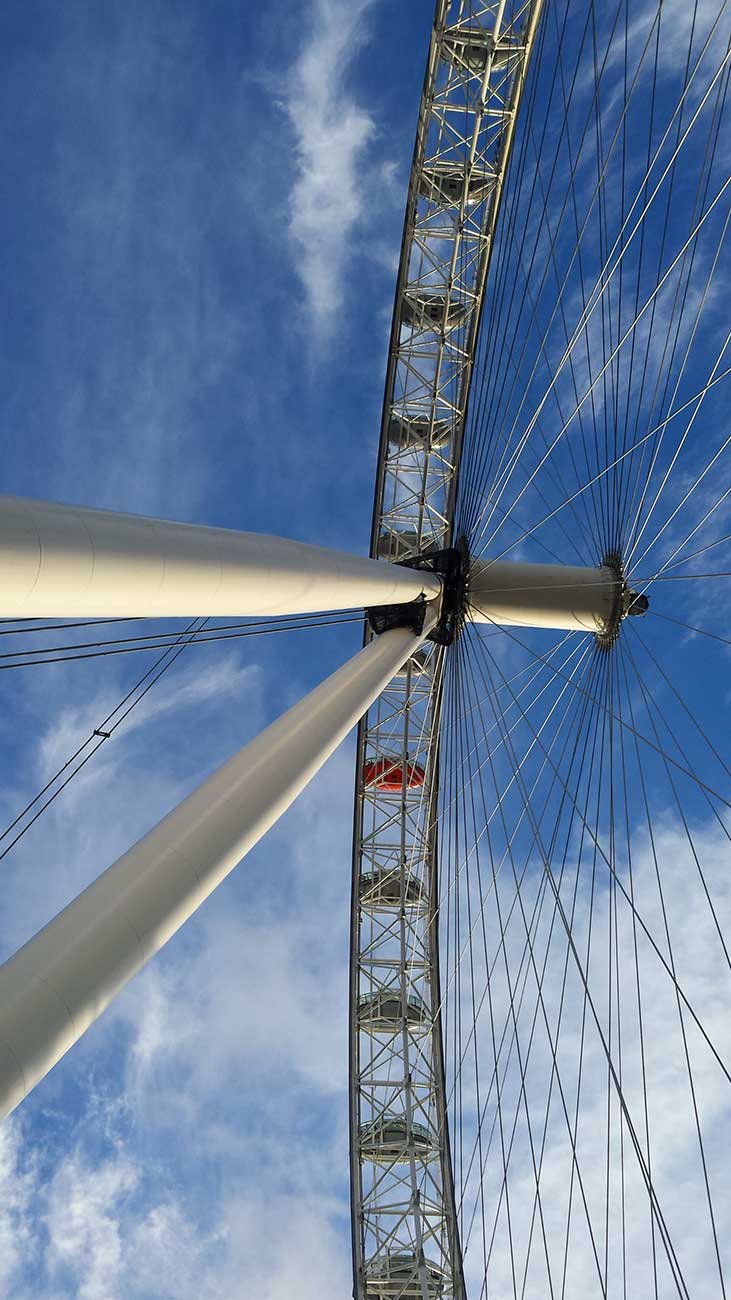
x: 405, y: 1234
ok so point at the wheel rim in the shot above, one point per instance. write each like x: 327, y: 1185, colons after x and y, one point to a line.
x: 411, y: 1211
x: 559, y: 770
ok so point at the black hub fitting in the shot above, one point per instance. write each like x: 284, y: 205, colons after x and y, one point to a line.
x: 637, y: 604
x: 383, y: 617
x: 627, y: 603
x: 451, y: 566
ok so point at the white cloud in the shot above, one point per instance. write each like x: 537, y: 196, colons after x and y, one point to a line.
x: 332, y: 133
x: 676, y: 1171
x: 85, y: 1237
x: 678, y: 23
x: 230, y: 1051
x: 192, y: 685
x: 104, y: 1242
x: 210, y: 1157
x: 263, y: 995
x: 17, y: 1246
x: 296, y: 1251
x: 198, y: 715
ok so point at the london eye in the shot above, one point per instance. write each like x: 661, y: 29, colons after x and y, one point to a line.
x: 539, y: 976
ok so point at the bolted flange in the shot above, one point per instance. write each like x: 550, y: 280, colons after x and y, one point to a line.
x: 628, y: 604
x: 450, y: 564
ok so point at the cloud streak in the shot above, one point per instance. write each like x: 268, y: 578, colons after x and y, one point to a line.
x: 332, y: 133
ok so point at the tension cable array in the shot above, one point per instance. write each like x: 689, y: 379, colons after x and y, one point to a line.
x: 105, y: 728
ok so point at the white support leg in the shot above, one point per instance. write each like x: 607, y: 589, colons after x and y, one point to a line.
x: 70, y: 562
x: 58, y: 983
x: 544, y: 595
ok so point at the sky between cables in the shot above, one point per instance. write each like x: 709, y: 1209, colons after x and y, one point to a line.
x: 153, y: 362
x: 179, y: 344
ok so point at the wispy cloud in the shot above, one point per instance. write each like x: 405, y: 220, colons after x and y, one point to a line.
x: 193, y: 720
x: 106, y: 1241
x: 195, y: 685
x: 83, y: 1222
x: 16, y: 1225
x: 234, y: 1041
x: 332, y: 132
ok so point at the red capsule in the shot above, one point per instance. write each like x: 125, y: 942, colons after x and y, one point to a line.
x: 388, y: 774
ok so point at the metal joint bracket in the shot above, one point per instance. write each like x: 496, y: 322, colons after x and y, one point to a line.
x: 451, y: 566
x: 384, y: 617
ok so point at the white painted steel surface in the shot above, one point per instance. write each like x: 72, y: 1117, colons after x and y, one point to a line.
x: 54, y: 987
x: 59, y: 561
x: 543, y: 595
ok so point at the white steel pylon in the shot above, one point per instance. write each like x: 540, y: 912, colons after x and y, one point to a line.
x: 61, y: 980
x: 565, y: 596
x: 54, y: 987
x: 59, y: 561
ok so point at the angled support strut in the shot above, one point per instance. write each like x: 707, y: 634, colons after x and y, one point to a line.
x: 56, y: 986
x: 71, y: 562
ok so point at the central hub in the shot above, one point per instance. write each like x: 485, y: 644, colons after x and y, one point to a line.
x: 627, y: 603
x: 451, y: 566
x: 569, y: 597
x: 514, y: 593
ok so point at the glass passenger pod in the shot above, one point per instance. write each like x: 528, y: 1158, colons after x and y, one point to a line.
x: 391, y: 1277
x: 383, y: 890
x: 419, y: 431
x: 402, y: 544
x: 470, y: 48
x: 386, y: 1141
x: 422, y: 309
x: 445, y: 183
x: 398, y: 545
x: 383, y: 1012
x: 390, y: 773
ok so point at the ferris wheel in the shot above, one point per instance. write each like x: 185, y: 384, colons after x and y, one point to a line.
x: 540, y: 979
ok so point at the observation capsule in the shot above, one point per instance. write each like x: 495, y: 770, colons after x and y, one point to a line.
x: 383, y: 1012
x: 392, y: 774
x: 470, y: 47
x: 418, y: 431
x: 392, y: 1276
x: 442, y: 182
x: 423, y: 309
x: 386, y: 1140
x: 383, y: 889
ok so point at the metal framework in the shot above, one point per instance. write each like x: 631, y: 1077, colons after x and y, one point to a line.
x: 59, y: 557
x: 55, y: 986
x: 60, y: 560
x: 405, y: 1237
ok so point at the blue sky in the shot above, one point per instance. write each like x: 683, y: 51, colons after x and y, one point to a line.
x: 180, y: 338
x: 200, y: 238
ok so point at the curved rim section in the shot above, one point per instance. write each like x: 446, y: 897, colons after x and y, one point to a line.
x: 404, y: 1221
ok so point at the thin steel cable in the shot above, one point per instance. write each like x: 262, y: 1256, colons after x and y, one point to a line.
x: 681, y: 1016
x: 662, y: 1226
x: 515, y: 1040
x: 552, y: 1042
x: 120, y: 647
